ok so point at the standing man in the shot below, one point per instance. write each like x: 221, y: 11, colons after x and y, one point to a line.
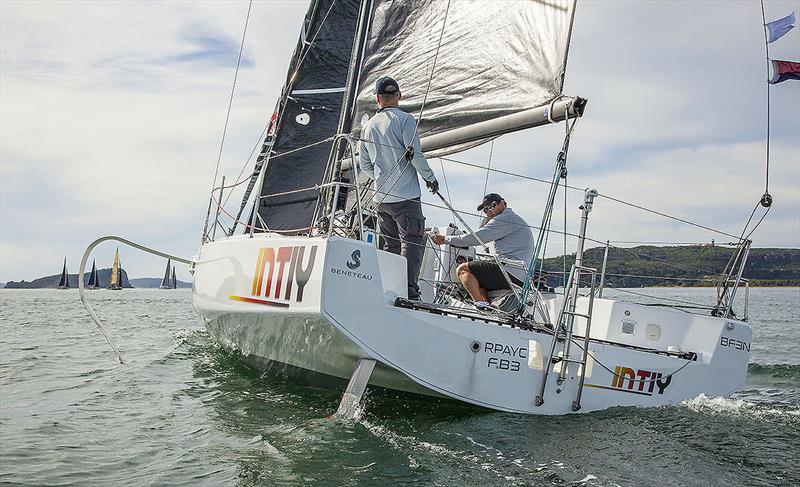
x: 512, y: 241
x: 390, y: 154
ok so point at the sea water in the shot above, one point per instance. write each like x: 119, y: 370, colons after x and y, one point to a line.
x: 183, y: 412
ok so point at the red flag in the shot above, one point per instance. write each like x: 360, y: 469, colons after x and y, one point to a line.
x: 783, y: 70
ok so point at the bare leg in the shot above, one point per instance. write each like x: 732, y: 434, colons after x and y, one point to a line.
x: 470, y: 283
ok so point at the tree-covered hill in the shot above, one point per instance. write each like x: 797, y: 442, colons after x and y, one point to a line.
x: 683, y: 265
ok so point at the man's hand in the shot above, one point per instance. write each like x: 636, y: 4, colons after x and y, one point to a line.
x: 437, y: 239
x: 432, y: 185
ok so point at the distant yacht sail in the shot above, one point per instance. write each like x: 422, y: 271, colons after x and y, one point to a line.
x: 116, y: 274
x: 166, y: 283
x: 174, y: 280
x: 64, y: 282
x: 94, y: 282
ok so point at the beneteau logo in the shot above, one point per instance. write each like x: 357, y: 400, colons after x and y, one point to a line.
x: 641, y: 381
x: 355, y: 262
x: 291, y: 270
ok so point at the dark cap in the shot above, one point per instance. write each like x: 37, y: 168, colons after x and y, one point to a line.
x: 386, y: 86
x: 489, y: 199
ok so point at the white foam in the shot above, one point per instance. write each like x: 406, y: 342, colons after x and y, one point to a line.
x: 731, y: 406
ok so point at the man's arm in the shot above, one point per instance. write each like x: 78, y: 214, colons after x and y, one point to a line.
x: 490, y: 232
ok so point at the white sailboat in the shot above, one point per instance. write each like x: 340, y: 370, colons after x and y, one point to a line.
x: 304, y: 287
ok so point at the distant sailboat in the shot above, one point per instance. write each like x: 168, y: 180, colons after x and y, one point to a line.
x: 166, y: 283
x: 174, y: 280
x: 64, y: 282
x: 94, y: 281
x: 116, y: 274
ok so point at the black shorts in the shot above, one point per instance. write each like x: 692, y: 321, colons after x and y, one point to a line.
x: 489, y: 275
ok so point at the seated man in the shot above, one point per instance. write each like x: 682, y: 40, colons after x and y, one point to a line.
x: 512, y: 240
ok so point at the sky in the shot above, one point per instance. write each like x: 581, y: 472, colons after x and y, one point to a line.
x: 111, y: 116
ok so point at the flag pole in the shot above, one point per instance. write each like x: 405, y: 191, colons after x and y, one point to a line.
x: 766, y: 50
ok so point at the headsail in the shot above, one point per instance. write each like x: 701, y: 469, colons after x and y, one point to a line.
x: 63, y: 283
x: 93, y: 276
x: 116, y: 274
x: 165, y: 282
x: 308, y: 115
x: 496, y: 59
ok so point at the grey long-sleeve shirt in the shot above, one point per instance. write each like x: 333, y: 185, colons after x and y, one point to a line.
x: 386, y: 137
x: 511, y: 236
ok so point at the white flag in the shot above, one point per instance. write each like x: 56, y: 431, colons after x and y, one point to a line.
x: 777, y: 28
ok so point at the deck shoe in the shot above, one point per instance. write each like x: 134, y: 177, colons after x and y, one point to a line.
x: 482, y: 305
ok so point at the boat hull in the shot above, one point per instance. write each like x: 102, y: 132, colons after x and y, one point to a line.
x: 322, y: 304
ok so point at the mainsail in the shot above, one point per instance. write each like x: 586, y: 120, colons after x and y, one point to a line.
x: 465, y: 63
x: 165, y: 282
x: 174, y: 279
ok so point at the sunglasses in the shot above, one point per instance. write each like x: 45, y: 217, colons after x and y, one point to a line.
x: 490, y: 207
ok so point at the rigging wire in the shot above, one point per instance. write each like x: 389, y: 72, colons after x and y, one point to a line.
x: 444, y: 176
x: 766, y: 51
x: 433, y: 68
x: 228, y: 113
x: 488, y: 168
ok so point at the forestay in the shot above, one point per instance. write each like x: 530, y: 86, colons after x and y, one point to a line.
x: 496, y: 58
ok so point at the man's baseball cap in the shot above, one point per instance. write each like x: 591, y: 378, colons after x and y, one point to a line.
x: 386, y: 86
x: 490, y: 199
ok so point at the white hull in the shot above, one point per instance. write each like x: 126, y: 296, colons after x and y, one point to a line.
x: 296, y: 301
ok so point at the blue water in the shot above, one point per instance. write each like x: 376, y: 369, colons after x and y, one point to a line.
x: 183, y: 412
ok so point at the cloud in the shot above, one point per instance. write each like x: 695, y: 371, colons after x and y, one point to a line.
x: 111, y: 116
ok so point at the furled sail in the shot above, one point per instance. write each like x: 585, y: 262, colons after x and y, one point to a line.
x: 463, y: 63
x: 308, y: 115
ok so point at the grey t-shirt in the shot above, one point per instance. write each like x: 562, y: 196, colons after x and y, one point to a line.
x: 382, y: 154
x: 511, y: 236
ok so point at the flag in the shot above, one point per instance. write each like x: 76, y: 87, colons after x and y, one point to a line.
x: 777, y: 28
x: 783, y: 70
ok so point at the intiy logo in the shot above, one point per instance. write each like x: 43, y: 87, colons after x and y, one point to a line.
x: 292, y: 268
x: 355, y: 260
x: 639, y: 381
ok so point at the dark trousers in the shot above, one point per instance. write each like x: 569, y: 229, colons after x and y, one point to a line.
x: 403, y: 230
